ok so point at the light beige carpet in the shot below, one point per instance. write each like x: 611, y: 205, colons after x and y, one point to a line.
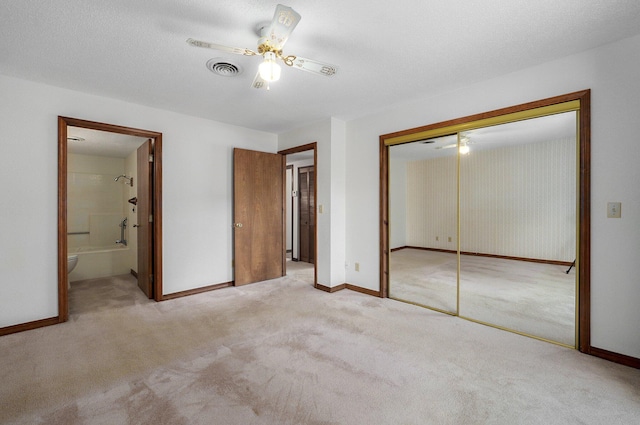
x: 533, y: 298
x: 301, y: 271
x: 281, y: 352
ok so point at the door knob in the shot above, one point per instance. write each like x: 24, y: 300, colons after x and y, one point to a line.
x: 137, y: 225
x: 237, y: 224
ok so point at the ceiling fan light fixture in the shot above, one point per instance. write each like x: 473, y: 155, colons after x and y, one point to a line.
x: 272, y: 37
x: 269, y: 70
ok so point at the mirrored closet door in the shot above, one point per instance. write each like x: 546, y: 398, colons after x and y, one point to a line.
x: 423, y: 227
x: 518, y: 226
x: 484, y: 220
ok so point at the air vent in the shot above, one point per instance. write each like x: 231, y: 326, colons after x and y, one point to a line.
x: 223, y: 68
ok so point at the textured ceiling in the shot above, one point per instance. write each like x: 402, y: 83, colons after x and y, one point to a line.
x: 387, y: 52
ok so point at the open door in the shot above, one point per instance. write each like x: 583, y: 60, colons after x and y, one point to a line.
x: 145, y: 218
x: 258, y: 215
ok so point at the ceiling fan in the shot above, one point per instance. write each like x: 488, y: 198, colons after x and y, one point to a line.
x: 272, y: 38
x: 465, y: 141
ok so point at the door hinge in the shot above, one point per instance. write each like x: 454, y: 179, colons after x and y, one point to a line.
x: 151, y: 278
x: 150, y: 218
x: 150, y: 157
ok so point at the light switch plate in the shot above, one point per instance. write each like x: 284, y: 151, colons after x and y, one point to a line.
x: 614, y: 210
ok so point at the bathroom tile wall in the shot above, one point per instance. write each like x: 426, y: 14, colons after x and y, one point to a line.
x: 95, y: 201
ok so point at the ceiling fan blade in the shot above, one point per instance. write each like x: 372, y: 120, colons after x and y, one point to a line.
x: 214, y: 46
x: 313, y: 66
x: 455, y: 145
x: 284, y: 21
x: 259, y: 82
x: 452, y: 145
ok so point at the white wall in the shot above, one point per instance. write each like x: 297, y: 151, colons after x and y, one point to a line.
x: 197, y: 191
x: 612, y: 73
x: 338, y: 201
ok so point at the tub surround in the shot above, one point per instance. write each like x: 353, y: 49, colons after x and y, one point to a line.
x: 96, y: 208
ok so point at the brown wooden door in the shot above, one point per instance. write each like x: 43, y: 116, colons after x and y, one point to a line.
x: 258, y: 215
x: 307, y: 208
x: 145, y: 214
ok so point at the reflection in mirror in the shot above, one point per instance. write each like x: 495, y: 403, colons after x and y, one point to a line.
x: 518, y: 227
x: 522, y: 215
x: 423, y: 200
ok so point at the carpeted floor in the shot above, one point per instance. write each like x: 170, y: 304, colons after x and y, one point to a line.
x: 282, y: 352
x: 534, y: 298
x: 301, y: 271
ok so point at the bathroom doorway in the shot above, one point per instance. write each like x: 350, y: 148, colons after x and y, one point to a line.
x: 123, y: 233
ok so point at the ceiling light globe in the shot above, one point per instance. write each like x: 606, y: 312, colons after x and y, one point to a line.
x: 269, y: 70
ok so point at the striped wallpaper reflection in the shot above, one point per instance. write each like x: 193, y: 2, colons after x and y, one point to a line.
x: 517, y: 201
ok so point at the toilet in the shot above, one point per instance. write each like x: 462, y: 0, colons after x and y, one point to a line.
x: 72, y: 261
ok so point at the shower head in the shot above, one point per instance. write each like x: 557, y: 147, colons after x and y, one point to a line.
x: 130, y: 182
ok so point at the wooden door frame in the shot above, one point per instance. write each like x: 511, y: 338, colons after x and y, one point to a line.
x: 583, y: 342
x: 303, y: 148
x: 289, y: 190
x: 63, y: 277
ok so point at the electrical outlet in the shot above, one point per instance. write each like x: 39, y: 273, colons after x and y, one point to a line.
x: 437, y: 238
x: 357, y: 265
x: 449, y: 238
x: 320, y: 209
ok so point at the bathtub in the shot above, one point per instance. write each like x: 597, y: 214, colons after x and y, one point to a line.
x: 101, y: 261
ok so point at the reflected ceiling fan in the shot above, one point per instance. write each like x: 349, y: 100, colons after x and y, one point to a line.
x: 465, y: 141
x: 272, y: 39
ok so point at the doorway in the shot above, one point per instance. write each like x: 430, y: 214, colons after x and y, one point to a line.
x: 260, y: 207
x: 148, y: 181
x: 306, y: 214
x: 301, y: 196
x: 289, y: 206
